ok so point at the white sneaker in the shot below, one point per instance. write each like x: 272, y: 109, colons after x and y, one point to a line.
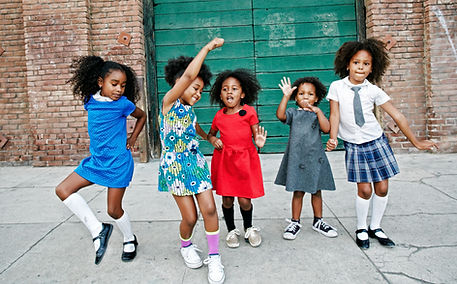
x: 191, y: 257
x: 252, y: 236
x: 292, y: 230
x: 232, y: 238
x: 216, y: 273
x: 325, y: 229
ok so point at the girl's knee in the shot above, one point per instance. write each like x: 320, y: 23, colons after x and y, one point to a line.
x: 245, y: 203
x: 115, y: 212
x: 62, y: 191
x: 189, y: 221
x: 227, y: 201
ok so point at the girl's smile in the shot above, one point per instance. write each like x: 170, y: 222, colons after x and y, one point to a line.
x: 113, y: 85
x: 231, y: 94
x: 360, y: 67
x: 193, y: 93
x: 306, y: 94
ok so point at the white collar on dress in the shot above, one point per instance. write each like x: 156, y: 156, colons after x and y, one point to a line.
x: 99, y: 98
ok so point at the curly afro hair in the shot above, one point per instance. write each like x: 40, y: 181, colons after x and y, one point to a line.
x: 380, y: 58
x: 87, y: 70
x: 249, y: 85
x: 176, y: 67
x: 321, y: 91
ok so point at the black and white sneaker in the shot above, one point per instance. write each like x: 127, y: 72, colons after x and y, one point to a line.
x: 325, y: 229
x: 292, y: 230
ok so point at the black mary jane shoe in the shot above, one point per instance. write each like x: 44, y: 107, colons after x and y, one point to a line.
x: 129, y: 256
x: 363, y: 244
x: 104, y: 235
x: 383, y: 241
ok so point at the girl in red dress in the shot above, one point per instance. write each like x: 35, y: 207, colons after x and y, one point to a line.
x: 235, y: 167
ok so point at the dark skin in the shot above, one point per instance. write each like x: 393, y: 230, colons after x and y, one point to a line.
x: 112, y: 86
x: 188, y: 90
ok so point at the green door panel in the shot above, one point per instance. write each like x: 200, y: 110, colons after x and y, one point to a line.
x: 274, y: 39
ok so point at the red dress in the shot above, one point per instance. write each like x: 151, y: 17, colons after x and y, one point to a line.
x: 235, y: 170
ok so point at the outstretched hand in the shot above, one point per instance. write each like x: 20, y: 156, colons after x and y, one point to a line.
x: 261, y: 137
x: 426, y: 145
x: 215, y: 43
x: 286, y: 88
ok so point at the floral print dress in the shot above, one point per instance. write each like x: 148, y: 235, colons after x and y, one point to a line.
x: 183, y: 169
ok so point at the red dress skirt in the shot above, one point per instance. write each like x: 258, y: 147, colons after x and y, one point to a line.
x: 235, y: 170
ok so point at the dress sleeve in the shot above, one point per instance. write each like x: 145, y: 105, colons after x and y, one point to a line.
x: 332, y: 92
x: 253, y: 119
x: 129, y: 107
x: 289, y: 116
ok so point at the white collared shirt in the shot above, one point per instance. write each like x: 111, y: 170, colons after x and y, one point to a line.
x: 370, y: 94
x: 99, y: 98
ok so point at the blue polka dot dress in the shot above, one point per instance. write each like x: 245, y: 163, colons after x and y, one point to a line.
x: 183, y: 169
x: 110, y: 163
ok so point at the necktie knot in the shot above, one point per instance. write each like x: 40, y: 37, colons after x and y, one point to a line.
x: 358, y: 112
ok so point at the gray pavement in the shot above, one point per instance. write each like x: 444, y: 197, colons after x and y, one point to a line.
x: 42, y: 242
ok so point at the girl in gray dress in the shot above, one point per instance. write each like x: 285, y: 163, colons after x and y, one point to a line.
x: 304, y: 167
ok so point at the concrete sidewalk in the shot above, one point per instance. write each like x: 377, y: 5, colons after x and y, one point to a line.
x: 42, y: 242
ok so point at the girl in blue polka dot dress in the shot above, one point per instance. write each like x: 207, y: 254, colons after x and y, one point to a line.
x: 183, y: 170
x: 108, y: 90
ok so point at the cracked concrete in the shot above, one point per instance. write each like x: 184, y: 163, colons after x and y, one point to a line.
x: 42, y: 242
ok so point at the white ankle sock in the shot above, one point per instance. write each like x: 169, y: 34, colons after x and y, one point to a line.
x: 79, y: 207
x: 126, y: 228
x: 361, y: 207
x: 377, y: 212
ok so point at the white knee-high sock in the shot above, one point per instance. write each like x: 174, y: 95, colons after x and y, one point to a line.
x: 362, y: 206
x: 79, y: 207
x: 126, y: 228
x: 377, y: 212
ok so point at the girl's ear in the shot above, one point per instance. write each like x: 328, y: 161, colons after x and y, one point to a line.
x: 100, y: 82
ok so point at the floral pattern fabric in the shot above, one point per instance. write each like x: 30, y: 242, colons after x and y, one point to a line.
x: 183, y: 169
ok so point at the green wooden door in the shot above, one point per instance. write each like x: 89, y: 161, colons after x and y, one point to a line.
x: 293, y: 38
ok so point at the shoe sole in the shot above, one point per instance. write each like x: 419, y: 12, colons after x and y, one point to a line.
x: 233, y: 246
x: 253, y: 245
x: 217, y: 282
x: 324, y: 233
x: 194, y: 265
x: 291, y: 238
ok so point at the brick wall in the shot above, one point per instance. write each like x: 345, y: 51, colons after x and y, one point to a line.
x: 441, y: 71
x: 422, y: 65
x: 45, y: 124
x: 14, y: 114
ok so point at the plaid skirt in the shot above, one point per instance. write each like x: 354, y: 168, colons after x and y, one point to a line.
x: 372, y: 161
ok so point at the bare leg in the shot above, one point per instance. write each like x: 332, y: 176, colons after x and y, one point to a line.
x: 186, y: 205
x: 297, y: 204
x: 316, y: 203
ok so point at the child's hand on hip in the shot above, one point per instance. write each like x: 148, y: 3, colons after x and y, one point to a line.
x: 286, y: 88
x: 216, y: 142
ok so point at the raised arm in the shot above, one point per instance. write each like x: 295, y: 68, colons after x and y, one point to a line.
x: 287, y: 92
x: 334, y: 124
x: 189, y: 75
x: 402, y: 123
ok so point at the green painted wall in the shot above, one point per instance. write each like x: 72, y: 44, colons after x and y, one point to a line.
x: 293, y: 38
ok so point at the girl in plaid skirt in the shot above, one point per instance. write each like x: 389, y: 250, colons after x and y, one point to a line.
x: 369, y: 158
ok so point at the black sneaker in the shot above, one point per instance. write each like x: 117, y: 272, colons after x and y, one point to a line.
x: 292, y: 230
x: 325, y: 229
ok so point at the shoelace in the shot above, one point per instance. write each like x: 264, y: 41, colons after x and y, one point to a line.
x: 250, y: 231
x: 233, y: 232
x: 324, y: 226
x: 213, y: 263
x: 293, y: 226
x: 195, y: 248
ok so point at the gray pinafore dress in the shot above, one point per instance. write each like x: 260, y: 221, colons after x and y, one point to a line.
x: 304, y: 166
